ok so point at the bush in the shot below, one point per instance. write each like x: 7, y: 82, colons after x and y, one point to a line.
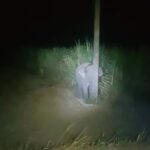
x: 57, y: 65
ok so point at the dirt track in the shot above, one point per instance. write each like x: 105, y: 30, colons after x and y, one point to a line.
x: 46, y: 112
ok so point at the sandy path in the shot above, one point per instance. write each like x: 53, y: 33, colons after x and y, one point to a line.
x: 48, y: 112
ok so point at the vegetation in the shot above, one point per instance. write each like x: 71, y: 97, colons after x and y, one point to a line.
x: 56, y: 66
x: 82, y: 142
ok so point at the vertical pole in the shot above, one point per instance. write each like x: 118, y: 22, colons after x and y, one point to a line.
x: 96, y: 42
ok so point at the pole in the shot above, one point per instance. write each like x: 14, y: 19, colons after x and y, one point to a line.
x: 96, y: 41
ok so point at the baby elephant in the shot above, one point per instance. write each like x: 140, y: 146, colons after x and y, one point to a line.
x: 86, y: 80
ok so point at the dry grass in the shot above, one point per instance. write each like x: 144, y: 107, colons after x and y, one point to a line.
x: 41, y: 107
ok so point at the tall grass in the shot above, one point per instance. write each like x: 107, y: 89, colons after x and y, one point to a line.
x: 57, y: 65
x: 110, y: 61
x: 81, y: 142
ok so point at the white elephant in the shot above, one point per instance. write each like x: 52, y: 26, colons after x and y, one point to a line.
x: 86, y: 80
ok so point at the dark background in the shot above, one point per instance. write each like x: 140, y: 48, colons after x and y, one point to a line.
x: 37, y: 24
x: 62, y: 22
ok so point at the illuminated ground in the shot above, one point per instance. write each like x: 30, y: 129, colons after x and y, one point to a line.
x: 34, y: 111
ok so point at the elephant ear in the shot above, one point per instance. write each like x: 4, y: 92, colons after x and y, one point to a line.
x: 100, y: 72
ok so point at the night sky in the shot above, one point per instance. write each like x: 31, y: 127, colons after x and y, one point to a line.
x: 62, y: 22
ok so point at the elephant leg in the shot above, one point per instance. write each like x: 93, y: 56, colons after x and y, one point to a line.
x: 79, y: 90
x: 85, y: 91
x: 92, y: 79
x: 92, y: 92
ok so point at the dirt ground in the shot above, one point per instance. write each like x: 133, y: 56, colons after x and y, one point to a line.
x: 34, y: 111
